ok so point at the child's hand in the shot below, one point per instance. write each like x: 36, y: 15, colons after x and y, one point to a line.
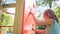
x: 33, y: 28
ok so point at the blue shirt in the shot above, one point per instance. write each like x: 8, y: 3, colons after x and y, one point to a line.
x: 53, y: 29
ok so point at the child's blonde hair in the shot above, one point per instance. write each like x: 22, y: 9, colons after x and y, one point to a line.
x: 50, y: 11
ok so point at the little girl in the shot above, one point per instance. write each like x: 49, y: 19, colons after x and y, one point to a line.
x: 51, y: 22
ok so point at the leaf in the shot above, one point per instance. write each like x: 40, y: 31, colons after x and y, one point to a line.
x: 57, y: 11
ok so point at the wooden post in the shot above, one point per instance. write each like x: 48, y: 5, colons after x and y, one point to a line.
x: 0, y: 5
x: 18, y: 17
x: 0, y: 10
x: 0, y: 16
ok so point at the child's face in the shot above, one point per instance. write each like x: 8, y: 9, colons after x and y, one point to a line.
x: 47, y: 16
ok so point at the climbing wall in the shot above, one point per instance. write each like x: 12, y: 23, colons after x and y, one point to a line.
x: 28, y: 22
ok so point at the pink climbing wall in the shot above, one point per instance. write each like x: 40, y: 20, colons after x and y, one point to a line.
x: 28, y: 21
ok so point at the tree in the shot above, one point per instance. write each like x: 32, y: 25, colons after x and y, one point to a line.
x: 57, y: 11
x: 6, y: 20
x: 45, y: 2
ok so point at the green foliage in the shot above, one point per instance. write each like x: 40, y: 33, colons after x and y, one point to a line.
x: 40, y: 27
x: 49, y: 1
x: 57, y: 11
x: 36, y: 33
x: 37, y: 3
x: 10, y: 30
x: 45, y: 2
x: 6, y: 19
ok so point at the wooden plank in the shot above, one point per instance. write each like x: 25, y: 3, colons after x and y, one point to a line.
x: 18, y: 17
x: 10, y: 5
x: 6, y: 26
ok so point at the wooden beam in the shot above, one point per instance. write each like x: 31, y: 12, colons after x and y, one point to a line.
x: 8, y: 12
x: 10, y: 5
x: 0, y: 10
x: 18, y: 17
x: 0, y: 6
x: 6, y: 26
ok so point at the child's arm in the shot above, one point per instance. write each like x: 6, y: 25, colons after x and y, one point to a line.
x: 39, y: 22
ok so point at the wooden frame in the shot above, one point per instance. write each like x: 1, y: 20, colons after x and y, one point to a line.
x: 18, y: 17
x: 0, y: 6
x: 0, y: 11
